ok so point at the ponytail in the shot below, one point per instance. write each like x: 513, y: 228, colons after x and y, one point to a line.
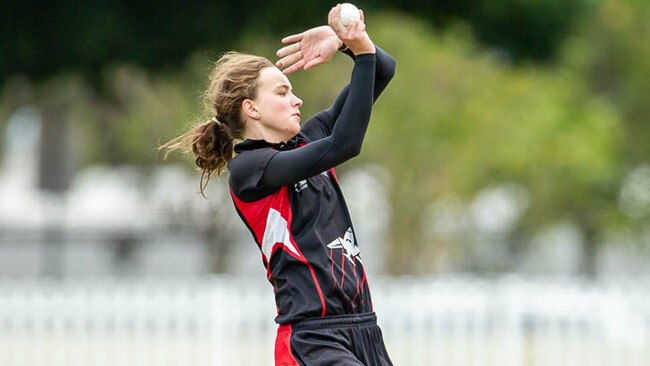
x: 211, y: 144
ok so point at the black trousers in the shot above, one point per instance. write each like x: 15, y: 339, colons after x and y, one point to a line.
x: 348, y: 340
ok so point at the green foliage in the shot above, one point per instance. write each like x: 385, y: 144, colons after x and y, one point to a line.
x: 151, y: 108
x: 611, y: 49
x: 525, y: 29
x: 456, y: 120
x: 137, y: 112
x: 41, y: 39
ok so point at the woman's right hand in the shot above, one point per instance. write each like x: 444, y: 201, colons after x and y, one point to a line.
x: 354, y: 36
x: 311, y: 48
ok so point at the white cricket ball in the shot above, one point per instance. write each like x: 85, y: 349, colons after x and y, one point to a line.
x: 349, y: 13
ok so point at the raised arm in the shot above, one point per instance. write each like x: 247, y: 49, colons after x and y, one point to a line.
x: 347, y: 135
x: 317, y: 46
x: 321, y: 125
x: 345, y: 141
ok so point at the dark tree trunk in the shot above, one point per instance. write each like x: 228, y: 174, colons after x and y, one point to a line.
x: 590, y: 247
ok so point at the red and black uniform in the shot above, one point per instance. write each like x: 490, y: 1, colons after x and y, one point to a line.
x: 289, y: 197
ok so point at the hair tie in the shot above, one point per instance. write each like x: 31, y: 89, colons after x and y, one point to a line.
x: 215, y: 119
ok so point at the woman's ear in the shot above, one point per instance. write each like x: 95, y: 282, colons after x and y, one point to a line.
x: 250, y: 109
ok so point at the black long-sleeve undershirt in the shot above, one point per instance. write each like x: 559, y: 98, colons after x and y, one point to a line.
x: 336, y: 133
x: 316, y: 128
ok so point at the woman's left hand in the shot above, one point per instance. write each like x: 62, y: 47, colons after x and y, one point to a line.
x: 310, y: 48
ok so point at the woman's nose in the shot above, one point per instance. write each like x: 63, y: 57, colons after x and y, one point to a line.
x: 297, y: 102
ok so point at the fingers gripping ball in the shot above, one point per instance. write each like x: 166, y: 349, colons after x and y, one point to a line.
x: 349, y: 13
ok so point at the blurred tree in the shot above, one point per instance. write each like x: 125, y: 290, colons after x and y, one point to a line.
x: 520, y: 29
x: 40, y: 39
x: 46, y: 38
x: 456, y: 120
x: 611, y: 48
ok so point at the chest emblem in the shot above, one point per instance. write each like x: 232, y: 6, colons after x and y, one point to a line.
x: 300, y: 186
x: 348, y: 245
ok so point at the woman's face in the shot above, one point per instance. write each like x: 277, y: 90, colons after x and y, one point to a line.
x: 278, y: 107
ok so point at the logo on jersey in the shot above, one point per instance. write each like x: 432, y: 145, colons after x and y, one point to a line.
x: 348, y: 244
x: 300, y: 186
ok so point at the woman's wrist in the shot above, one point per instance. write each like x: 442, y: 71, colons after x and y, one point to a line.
x: 363, y: 49
x: 361, y: 45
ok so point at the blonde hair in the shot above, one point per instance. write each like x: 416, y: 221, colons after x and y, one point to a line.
x: 233, y: 80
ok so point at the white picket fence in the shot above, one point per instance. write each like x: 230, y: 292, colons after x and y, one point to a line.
x: 229, y: 321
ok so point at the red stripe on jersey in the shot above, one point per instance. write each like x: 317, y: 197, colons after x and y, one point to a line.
x: 283, y: 355
x: 356, y: 278
x: 269, y: 220
x: 342, y: 268
x: 336, y: 282
x: 365, y: 280
x: 334, y: 175
x: 320, y: 292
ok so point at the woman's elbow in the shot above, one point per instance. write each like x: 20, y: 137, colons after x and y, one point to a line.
x: 389, y: 68
x: 351, y: 151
